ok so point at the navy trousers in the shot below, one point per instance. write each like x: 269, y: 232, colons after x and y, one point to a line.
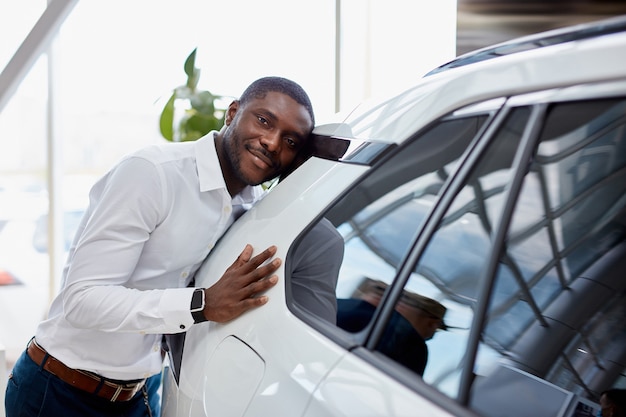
x: 35, y: 392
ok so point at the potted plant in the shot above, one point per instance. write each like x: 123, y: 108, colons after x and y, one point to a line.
x: 190, y: 113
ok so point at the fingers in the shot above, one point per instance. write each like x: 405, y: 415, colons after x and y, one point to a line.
x: 244, y: 257
x: 237, y: 291
x: 260, y: 285
x: 251, y: 269
x: 263, y: 256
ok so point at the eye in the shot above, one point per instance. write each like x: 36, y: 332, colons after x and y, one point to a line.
x: 291, y: 142
x: 262, y: 120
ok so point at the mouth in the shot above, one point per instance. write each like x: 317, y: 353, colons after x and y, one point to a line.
x: 261, y: 156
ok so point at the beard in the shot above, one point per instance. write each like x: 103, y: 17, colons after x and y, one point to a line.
x: 233, y: 145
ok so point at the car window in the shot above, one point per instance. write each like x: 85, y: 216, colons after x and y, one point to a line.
x: 449, y: 270
x: 379, y: 218
x: 376, y: 222
x: 553, y: 318
x: 352, y: 240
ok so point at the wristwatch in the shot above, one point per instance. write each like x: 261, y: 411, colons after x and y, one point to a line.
x: 197, y: 306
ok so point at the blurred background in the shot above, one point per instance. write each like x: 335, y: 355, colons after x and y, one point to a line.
x: 99, y: 88
x: 486, y: 22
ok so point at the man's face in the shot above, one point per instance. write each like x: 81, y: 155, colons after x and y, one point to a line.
x: 263, y: 137
x: 432, y: 327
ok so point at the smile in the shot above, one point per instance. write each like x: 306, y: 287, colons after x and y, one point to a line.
x: 263, y: 157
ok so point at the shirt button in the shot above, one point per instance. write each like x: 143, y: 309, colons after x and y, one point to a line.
x: 210, y: 246
x: 182, y: 327
x: 156, y: 348
x: 227, y: 209
x: 184, y: 274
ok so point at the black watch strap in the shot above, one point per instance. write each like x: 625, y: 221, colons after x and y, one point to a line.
x: 197, y: 306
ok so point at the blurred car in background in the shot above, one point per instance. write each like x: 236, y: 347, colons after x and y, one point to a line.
x: 24, y: 254
x: 495, y: 186
x: 71, y: 220
x: 7, y: 278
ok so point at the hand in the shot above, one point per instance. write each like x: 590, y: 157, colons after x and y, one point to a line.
x: 237, y: 290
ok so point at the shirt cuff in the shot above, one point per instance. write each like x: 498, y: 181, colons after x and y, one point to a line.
x: 175, y: 309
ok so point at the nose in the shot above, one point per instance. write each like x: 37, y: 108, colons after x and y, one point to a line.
x: 271, y: 142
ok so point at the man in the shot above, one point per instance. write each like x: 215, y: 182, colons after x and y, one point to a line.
x: 150, y: 223
x: 613, y: 403
x: 414, y: 321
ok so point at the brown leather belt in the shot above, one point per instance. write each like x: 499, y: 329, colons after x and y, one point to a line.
x: 83, y: 380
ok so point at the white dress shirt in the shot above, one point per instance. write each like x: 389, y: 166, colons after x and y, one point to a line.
x: 150, y: 223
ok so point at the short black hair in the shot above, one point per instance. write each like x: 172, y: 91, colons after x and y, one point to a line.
x: 259, y: 88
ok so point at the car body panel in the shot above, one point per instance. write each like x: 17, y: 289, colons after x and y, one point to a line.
x: 351, y: 389
x: 239, y: 370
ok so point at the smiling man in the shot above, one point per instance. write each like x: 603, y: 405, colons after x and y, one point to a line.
x: 150, y: 223
x: 265, y: 131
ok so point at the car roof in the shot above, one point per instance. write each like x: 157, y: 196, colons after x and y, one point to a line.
x: 585, y: 54
x: 538, y: 40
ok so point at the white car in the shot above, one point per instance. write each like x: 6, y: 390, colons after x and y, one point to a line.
x: 497, y: 187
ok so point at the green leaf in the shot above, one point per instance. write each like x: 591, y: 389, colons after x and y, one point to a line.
x: 190, y: 63
x: 203, y: 102
x: 201, y: 123
x: 193, y: 73
x: 201, y: 118
x: 166, y: 122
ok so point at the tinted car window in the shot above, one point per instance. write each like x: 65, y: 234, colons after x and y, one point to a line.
x: 564, y: 251
x: 450, y: 268
x: 379, y: 219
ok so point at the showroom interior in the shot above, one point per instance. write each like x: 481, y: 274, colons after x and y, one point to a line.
x: 84, y: 83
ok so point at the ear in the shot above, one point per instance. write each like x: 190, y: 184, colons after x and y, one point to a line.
x: 230, y: 112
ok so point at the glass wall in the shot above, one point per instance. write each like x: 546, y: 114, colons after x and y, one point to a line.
x: 113, y: 66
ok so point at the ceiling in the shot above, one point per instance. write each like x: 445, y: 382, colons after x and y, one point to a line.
x: 486, y: 22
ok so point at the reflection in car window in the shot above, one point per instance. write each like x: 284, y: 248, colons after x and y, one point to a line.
x: 567, y: 224
x: 379, y: 219
x: 451, y: 265
x: 568, y: 217
x: 396, y: 198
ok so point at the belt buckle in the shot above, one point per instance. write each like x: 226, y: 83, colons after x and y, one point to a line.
x: 134, y: 389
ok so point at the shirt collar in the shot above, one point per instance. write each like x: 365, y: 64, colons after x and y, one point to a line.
x: 210, y: 173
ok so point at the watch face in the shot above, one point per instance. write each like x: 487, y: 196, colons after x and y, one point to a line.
x: 197, y: 306
x: 197, y: 300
